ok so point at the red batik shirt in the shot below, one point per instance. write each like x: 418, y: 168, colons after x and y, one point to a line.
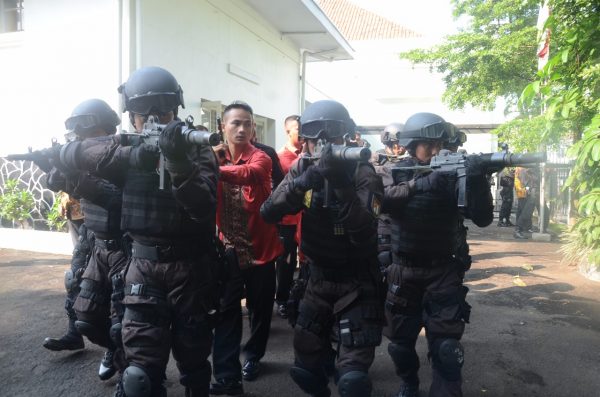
x: 243, y: 187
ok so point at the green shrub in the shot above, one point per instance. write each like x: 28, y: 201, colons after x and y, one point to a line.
x: 16, y: 204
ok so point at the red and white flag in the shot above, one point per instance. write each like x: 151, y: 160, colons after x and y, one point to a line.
x: 543, y: 36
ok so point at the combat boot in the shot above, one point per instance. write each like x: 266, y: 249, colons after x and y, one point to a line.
x: 408, y: 390
x: 107, y: 366
x: 72, y: 340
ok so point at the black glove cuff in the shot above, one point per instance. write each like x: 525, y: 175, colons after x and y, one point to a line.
x: 68, y: 154
x: 180, y: 168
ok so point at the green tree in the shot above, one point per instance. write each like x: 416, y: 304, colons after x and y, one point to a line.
x: 569, y: 87
x: 16, y: 204
x: 493, y: 56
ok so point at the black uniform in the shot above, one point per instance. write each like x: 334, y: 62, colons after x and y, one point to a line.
x: 507, y: 181
x: 169, y: 284
x: 339, y: 239
x: 425, y: 280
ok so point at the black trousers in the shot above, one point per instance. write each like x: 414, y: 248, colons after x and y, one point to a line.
x: 507, y: 203
x: 286, y: 263
x: 259, y: 283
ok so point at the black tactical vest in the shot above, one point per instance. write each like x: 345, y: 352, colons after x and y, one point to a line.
x: 149, y: 211
x: 426, y: 226
x: 101, y: 221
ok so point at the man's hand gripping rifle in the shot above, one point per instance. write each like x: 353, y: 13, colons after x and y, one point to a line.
x: 338, y: 155
x: 457, y: 166
x: 152, y: 131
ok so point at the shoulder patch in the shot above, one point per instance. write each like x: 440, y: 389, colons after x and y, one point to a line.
x: 308, y: 198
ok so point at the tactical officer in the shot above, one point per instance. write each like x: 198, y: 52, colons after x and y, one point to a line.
x: 101, y: 205
x: 91, y: 119
x: 425, y: 280
x: 169, y: 291
x: 389, y: 138
x: 339, y: 229
x: 383, y: 161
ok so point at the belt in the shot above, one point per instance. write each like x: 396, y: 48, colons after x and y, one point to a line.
x: 340, y: 274
x: 163, y: 253
x: 421, y: 261
x: 110, y: 245
x: 384, y: 239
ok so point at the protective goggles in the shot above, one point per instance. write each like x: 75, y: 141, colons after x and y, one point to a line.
x: 322, y: 129
x: 441, y: 130
x: 81, y: 122
x: 160, y: 102
x: 457, y: 139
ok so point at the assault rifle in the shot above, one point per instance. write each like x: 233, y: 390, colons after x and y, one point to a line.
x: 151, y: 133
x: 455, y: 164
x: 40, y: 157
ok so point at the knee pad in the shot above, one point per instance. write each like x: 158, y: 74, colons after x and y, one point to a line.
x: 310, y: 382
x: 70, y: 281
x: 448, y: 357
x: 94, y: 333
x: 405, y: 357
x: 115, y: 334
x: 136, y: 382
x: 354, y: 384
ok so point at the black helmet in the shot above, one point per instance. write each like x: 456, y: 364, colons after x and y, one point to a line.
x: 326, y: 119
x: 151, y: 89
x: 390, y: 133
x: 425, y: 127
x: 90, y: 115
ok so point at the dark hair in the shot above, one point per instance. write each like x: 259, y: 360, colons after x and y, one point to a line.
x: 238, y: 105
x: 293, y: 117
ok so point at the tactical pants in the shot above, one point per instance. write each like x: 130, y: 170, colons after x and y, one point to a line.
x: 507, y: 203
x: 79, y: 262
x: 286, y: 263
x: 347, y: 309
x: 432, y: 297
x: 94, y: 304
x: 168, y: 305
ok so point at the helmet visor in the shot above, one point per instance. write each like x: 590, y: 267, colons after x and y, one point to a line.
x: 162, y: 102
x: 81, y: 122
x: 322, y: 129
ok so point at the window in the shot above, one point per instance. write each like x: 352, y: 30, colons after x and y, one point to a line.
x: 11, y: 16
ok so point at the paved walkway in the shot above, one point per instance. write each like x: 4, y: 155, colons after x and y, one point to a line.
x: 535, y: 330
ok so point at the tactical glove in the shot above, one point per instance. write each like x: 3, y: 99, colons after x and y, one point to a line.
x: 474, y: 166
x: 143, y: 156
x: 309, y: 179
x: 433, y: 182
x: 172, y: 143
x: 332, y: 169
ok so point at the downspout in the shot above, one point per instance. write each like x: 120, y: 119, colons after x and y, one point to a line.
x: 303, y: 54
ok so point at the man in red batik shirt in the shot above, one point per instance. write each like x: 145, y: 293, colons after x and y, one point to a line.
x: 244, y: 184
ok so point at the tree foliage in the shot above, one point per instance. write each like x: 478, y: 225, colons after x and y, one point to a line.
x: 494, y: 56
x: 569, y: 87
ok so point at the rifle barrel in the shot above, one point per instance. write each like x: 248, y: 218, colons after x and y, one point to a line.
x: 349, y: 153
x: 503, y: 159
x: 203, y: 138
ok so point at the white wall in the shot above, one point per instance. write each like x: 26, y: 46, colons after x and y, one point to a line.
x: 69, y: 51
x: 206, y: 39
x: 64, y: 55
